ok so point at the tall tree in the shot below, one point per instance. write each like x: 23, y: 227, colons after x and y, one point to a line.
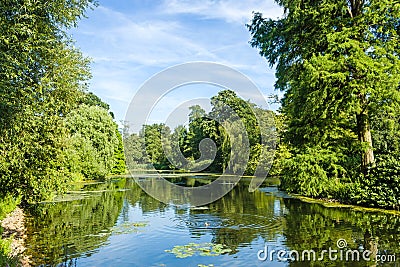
x: 156, y: 141
x: 338, y: 63
x: 41, y: 78
x: 134, y: 151
x: 196, y: 132
x: 95, y: 140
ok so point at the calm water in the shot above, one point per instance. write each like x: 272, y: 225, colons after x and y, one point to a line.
x: 117, y: 224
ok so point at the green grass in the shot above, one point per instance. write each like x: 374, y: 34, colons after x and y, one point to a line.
x: 7, y: 205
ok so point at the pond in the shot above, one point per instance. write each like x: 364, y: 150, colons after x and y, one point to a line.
x: 115, y: 223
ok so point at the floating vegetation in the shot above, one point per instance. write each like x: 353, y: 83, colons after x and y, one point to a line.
x: 128, y: 228
x: 202, y: 265
x: 202, y: 249
x: 69, y: 197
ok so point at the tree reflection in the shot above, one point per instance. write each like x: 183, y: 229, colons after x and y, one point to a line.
x: 63, y: 231
x: 312, y: 226
x: 58, y: 232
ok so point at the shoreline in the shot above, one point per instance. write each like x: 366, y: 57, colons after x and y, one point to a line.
x: 14, y: 227
x: 333, y: 203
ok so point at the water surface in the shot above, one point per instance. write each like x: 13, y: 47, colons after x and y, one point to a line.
x: 115, y: 223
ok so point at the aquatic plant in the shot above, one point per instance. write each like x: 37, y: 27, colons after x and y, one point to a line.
x: 202, y: 249
x: 128, y: 227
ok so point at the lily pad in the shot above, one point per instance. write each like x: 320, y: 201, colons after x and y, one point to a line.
x: 202, y: 249
x: 128, y: 227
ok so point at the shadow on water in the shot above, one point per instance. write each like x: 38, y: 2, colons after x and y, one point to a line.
x: 116, y: 222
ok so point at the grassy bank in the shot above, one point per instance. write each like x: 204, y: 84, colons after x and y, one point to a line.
x: 330, y: 203
x: 7, y: 205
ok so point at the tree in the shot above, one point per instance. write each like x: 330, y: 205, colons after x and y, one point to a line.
x: 91, y: 99
x: 119, y: 156
x: 41, y: 79
x: 196, y: 132
x: 231, y: 112
x: 134, y: 151
x: 230, y: 124
x: 156, y: 140
x: 337, y: 63
x: 94, y: 141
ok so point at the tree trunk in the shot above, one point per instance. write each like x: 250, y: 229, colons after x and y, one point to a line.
x: 364, y: 136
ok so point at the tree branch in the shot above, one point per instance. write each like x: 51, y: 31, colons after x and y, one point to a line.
x: 350, y: 7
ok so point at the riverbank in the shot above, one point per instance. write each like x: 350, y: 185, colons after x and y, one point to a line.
x: 333, y: 203
x: 14, y: 227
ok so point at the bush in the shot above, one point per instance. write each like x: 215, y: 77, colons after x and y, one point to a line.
x: 7, y: 205
x: 5, y: 246
x: 380, y: 187
x: 8, y: 261
x: 314, y: 173
x: 94, y: 142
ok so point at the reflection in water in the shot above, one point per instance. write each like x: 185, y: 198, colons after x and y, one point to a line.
x: 79, y: 230
x: 64, y: 230
x: 312, y: 226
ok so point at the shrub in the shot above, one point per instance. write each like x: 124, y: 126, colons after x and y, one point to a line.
x: 314, y: 173
x: 380, y: 188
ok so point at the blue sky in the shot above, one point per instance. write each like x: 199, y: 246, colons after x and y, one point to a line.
x: 129, y: 41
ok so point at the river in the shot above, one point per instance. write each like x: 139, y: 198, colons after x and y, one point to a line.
x: 115, y: 223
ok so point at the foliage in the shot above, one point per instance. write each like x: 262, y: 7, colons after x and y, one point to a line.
x: 5, y: 251
x: 134, y: 151
x: 119, y: 156
x: 381, y: 189
x: 90, y: 99
x: 41, y: 78
x: 156, y: 141
x: 195, y: 133
x: 7, y: 204
x: 222, y: 125
x: 95, y: 141
x: 338, y: 66
x: 203, y: 249
x: 72, y: 228
x: 314, y: 173
x: 5, y: 247
x: 127, y: 228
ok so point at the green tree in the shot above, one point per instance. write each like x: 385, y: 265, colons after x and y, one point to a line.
x: 119, y: 156
x: 94, y: 141
x: 134, y: 151
x: 91, y: 99
x: 41, y: 79
x: 195, y: 132
x: 156, y: 140
x: 231, y: 111
x: 338, y: 65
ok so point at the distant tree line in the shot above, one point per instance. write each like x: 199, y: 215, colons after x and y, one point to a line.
x: 153, y: 142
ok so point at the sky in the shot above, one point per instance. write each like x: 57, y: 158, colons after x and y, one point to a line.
x: 130, y: 41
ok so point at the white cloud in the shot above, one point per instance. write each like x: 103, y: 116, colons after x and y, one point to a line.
x: 235, y: 11
x: 128, y: 48
x: 151, y: 42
